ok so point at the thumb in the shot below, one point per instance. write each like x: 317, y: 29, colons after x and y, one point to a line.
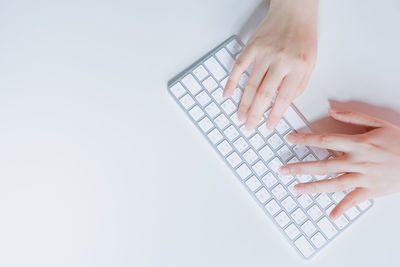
x: 356, y: 118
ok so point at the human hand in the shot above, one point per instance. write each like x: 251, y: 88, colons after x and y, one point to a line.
x: 283, y: 51
x: 369, y: 164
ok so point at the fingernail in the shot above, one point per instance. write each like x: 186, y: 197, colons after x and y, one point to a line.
x: 284, y: 170
x: 292, y: 138
x: 333, y: 216
x: 270, y: 125
x: 299, y: 188
x: 249, y: 126
x: 241, y: 116
x: 331, y: 110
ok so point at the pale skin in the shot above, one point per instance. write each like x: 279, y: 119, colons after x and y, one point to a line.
x: 282, y: 52
x: 369, y: 163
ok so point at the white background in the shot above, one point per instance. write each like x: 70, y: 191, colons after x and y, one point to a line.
x: 99, y: 166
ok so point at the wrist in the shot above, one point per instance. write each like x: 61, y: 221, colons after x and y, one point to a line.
x: 299, y: 8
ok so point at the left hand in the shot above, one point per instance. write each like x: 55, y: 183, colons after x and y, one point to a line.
x: 370, y: 162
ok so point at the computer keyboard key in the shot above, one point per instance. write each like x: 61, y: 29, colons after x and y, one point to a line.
x: 289, y: 204
x: 196, y: 113
x: 243, y: 80
x: 224, y: 81
x: 234, y: 47
x: 178, y: 90
x: 352, y: 213
x: 253, y: 183
x: 205, y: 124
x: 282, y: 127
x: 314, y: 212
x: 200, y: 72
x: 323, y: 200
x: 233, y: 159
x: 256, y: 141
x: 236, y: 120
x: 217, y: 95
x: 320, y: 153
x: 275, y: 164
x: 269, y: 180
x: 266, y: 153
x: 285, y: 179
x: 243, y: 171
x: 304, y: 200
x: 210, y: 84
x: 203, y: 98
x: 308, y: 228
x: 275, y: 141
x: 272, y: 207
x: 292, y: 231
x: 291, y: 188
x: 231, y: 133
x: 304, y: 246
x: 215, y: 136
x: 250, y: 156
x: 191, y: 84
x: 225, y: 58
x: 293, y: 160
x: 236, y: 95
x: 338, y: 196
x: 264, y: 131
x: 215, y: 68
x: 285, y: 153
x: 228, y: 107
x: 310, y: 157
x: 294, y: 119
x: 221, y: 121
x: 245, y: 132
x: 212, y: 110
x: 327, y: 227
x: 341, y: 222
x: 300, y: 151
x: 299, y: 216
x: 225, y: 148
x: 262, y: 195
x: 279, y: 192
x: 187, y: 101
x: 260, y: 168
x: 304, y: 178
x: 282, y: 219
x: 365, y: 205
x: 240, y: 144
x: 318, y: 240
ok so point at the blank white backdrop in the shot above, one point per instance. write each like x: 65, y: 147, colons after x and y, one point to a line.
x: 99, y: 167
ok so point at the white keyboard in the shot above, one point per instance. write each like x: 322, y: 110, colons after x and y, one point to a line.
x: 255, y: 156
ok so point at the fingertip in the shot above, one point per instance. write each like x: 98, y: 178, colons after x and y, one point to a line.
x: 300, y: 189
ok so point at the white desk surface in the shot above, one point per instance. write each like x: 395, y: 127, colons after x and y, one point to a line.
x: 99, y: 167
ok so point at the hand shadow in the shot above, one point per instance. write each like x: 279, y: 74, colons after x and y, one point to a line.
x: 330, y: 125
x: 253, y: 21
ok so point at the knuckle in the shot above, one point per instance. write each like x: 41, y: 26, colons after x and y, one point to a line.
x: 338, y: 184
x: 265, y: 94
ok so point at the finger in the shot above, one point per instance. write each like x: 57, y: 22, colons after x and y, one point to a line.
x: 241, y: 64
x: 264, y: 96
x: 353, y: 198
x: 321, y: 167
x: 357, y: 118
x: 343, y: 182
x: 256, y: 77
x: 339, y: 142
x: 286, y: 95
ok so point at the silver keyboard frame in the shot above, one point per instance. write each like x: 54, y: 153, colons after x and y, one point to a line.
x: 190, y: 69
